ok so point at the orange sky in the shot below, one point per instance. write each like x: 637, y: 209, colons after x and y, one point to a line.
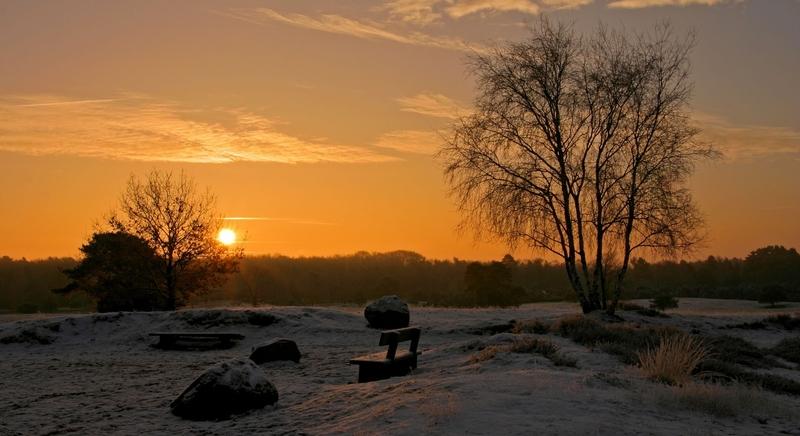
x: 320, y: 118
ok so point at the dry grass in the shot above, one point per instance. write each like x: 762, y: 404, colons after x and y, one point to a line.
x: 487, y: 353
x: 674, y: 360
x: 543, y: 347
x: 440, y: 408
x: 623, y: 340
x: 531, y: 326
x: 533, y: 345
x: 722, y: 400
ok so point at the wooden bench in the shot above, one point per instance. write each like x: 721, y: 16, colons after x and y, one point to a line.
x: 379, y: 366
x: 195, y: 340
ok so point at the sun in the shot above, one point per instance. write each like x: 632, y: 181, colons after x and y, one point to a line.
x: 226, y: 236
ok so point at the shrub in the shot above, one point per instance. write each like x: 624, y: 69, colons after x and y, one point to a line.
x: 663, y: 301
x: 531, y: 326
x: 674, y: 360
x: 737, y: 350
x: 720, y: 400
x: 718, y: 370
x: 785, y: 321
x: 788, y: 349
x: 621, y: 340
x: 532, y: 345
x: 582, y: 330
x: 652, y: 313
x: 632, y: 307
x: 772, y: 294
x: 546, y: 348
x: 31, y: 335
x: 485, y: 354
x: 755, y: 325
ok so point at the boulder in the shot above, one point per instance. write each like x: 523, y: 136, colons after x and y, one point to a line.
x: 278, y: 349
x: 388, y: 312
x: 229, y: 388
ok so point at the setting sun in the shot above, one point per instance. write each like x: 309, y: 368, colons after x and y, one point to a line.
x: 226, y: 236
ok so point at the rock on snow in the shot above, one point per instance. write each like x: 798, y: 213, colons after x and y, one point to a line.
x: 230, y: 388
x: 389, y: 312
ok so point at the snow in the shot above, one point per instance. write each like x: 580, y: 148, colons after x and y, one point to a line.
x: 99, y: 375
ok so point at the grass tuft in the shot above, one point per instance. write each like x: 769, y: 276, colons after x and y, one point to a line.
x: 674, y: 360
x: 789, y: 349
x: 543, y: 347
x: 622, y: 340
x: 721, y: 400
x: 531, y: 326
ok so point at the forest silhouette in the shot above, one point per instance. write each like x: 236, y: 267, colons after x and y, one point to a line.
x: 26, y: 285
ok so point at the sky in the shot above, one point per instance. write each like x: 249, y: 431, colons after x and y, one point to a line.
x: 318, y: 120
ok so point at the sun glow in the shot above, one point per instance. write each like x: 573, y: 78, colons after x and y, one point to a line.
x: 226, y: 236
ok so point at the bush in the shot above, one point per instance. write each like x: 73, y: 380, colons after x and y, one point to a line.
x: 788, y: 349
x: 737, y: 350
x: 485, y: 354
x: 622, y: 340
x: 543, y: 347
x: 715, y: 369
x: 31, y: 335
x: 531, y: 345
x: 641, y: 310
x: 721, y: 401
x: 674, y: 360
x: 663, y: 301
x: 787, y: 322
x: 772, y: 294
x: 627, y: 305
x: 755, y: 325
x: 531, y: 326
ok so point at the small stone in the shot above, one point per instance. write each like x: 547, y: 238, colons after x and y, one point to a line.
x: 278, y: 349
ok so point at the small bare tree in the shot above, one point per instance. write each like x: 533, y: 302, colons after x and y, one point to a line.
x: 581, y: 147
x: 180, y: 223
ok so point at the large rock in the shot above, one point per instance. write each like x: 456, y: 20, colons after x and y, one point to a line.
x: 226, y: 389
x: 389, y: 312
x: 278, y: 349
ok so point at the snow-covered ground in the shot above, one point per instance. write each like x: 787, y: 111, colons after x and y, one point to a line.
x: 98, y: 374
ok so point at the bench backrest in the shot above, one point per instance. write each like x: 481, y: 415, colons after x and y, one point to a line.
x: 393, y: 337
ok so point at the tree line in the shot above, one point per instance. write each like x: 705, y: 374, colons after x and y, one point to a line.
x: 26, y: 285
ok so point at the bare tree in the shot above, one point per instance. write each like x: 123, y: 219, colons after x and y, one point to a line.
x: 180, y: 223
x: 581, y: 147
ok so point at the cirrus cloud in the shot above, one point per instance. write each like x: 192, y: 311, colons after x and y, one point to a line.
x: 411, y: 141
x: 434, y: 105
x: 144, y: 129
x: 332, y: 23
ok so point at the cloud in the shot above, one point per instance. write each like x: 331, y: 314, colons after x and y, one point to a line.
x: 747, y: 140
x: 638, y: 4
x: 565, y: 4
x: 424, y: 12
x: 144, y: 129
x: 279, y: 220
x: 346, y: 26
x: 411, y: 141
x: 434, y: 105
x: 420, y: 12
x: 458, y: 9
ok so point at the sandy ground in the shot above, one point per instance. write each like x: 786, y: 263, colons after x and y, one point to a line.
x: 100, y: 375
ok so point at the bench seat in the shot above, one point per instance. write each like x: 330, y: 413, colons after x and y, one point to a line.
x: 380, y: 357
x: 195, y: 339
x: 392, y: 363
